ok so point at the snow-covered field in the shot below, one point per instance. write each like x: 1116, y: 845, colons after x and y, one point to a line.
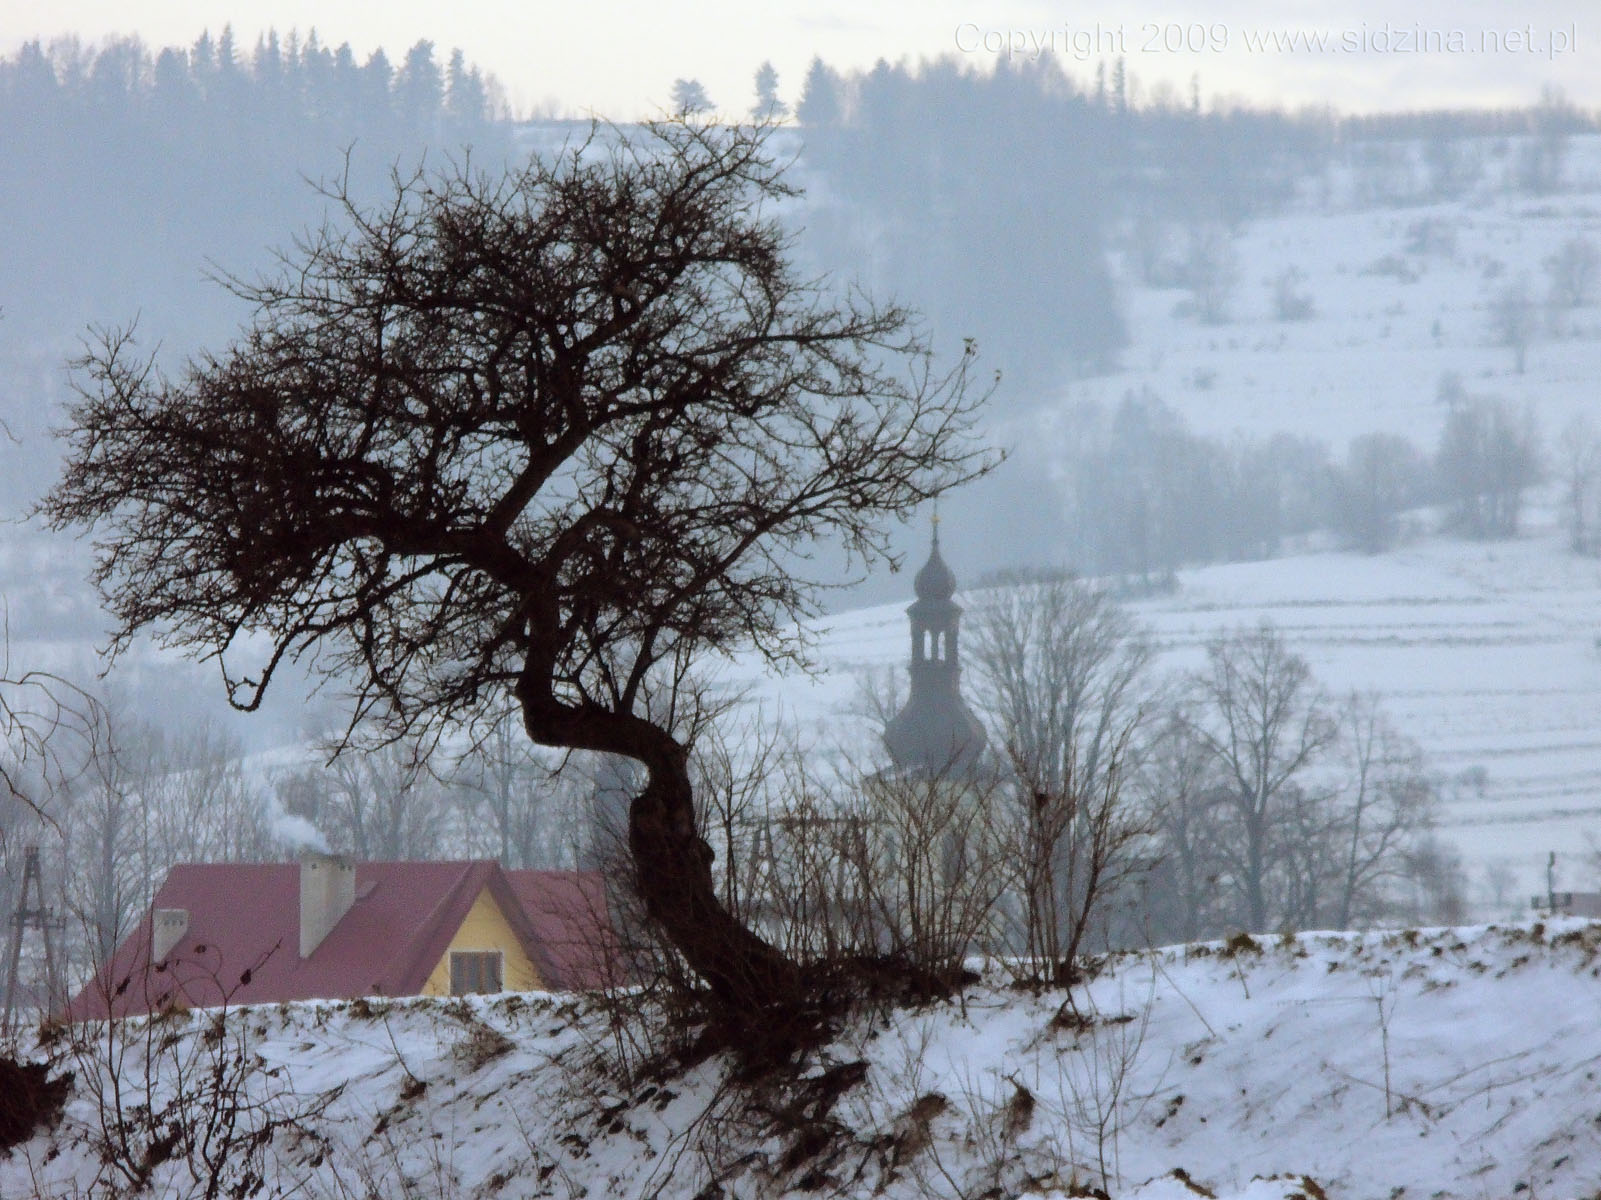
x: 1488, y: 654
x: 1438, y: 1063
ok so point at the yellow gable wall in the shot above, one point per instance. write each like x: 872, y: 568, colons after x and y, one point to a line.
x: 486, y: 928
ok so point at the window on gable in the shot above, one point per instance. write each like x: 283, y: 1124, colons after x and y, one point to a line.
x: 474, y: 972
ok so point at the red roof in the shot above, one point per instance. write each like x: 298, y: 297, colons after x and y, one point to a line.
x: 242, y: 945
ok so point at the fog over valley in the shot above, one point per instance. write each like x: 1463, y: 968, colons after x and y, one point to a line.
x: 1010, y: 527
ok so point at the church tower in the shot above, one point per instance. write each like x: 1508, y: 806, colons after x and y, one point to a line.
x: 935, y: 732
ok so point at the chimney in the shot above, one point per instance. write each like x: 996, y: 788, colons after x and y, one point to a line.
x: 327, y: 890
x: 167, y: 927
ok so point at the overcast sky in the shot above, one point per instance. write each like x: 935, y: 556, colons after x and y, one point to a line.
x: 619, y: 58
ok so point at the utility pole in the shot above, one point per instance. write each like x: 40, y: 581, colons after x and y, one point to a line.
x: 31, y: 911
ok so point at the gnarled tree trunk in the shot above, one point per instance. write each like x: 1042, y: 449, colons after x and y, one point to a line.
x: 672, y: 862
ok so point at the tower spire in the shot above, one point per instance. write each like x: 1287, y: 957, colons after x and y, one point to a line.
x: 935, y: 732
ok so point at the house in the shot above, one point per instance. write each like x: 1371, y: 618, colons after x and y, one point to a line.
x: 325, y: 928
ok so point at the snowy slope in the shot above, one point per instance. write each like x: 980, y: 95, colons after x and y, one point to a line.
x: 1486, y: 654
x: 1443, y: 1063
x: 1401, y: 294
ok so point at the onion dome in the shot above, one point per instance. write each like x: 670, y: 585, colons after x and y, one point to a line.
x: 935, y: 581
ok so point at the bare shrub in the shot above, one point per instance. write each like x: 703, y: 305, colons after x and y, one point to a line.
x: 180, y: 1097
x: 1211, y: 272
x: 865, y: 865
x: 1069, y: 853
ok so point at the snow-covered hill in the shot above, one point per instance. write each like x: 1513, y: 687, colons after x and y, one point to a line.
x: 1441, y: 1063
x: 1399, y: 294
x: 1488, y: 653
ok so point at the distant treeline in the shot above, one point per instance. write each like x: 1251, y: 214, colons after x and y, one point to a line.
x: 1553, y: 114
x: 991, y: 201
x: 128, y: 169
x: 1148, y: 495
x: 987, y: 199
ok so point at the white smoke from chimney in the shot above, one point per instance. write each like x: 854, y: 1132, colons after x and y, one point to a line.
x: 293, y: 830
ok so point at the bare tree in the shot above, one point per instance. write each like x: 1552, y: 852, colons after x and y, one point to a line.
x: 527, y: 438
x: 1514, y: 320
x: 155, y: 797
x: 1384, y: 802
x: 515, y: 797
x: 1311, y: 816
x: 1182, y: 789
x: 107, y: 880
x: 748, y: 770
x: 382, y: 805
x: 1544, y: 152
x: 1383, y: 474
x: 199, y: 804
x: 1579, y: 473
x: 1264, y: 722
x: 1488, y: 457
x: 1572, y: 272
x: 1056, y: 665
x: 1439, y: 883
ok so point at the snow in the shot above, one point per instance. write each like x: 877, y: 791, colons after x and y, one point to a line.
x: 1487, y: 653
x: 1445, y: 1063
x: 1442, y: 1063
x: 1390, y: 315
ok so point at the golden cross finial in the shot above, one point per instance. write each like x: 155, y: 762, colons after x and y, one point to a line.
x: 934, y: 522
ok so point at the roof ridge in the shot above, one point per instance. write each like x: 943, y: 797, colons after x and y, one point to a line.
x: 415, y: 962
x: 503, y: 889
